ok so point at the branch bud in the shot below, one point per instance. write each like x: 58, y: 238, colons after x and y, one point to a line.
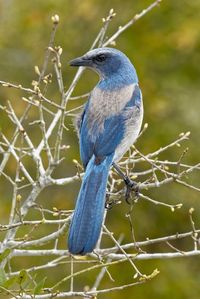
x: 19, y: 197
x: 191, y: 210
x: 188, y: 134
x: 60, y: 50
x: 37, y: 71
x: 55, y: 19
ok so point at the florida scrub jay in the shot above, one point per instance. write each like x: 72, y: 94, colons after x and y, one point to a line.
x: 108, y: 126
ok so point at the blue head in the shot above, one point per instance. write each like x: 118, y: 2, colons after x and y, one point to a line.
x: 110, y: 64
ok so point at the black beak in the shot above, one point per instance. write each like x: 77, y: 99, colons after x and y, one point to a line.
x: 80, y: 61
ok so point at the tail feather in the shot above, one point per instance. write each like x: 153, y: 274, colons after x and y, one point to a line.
x: 88, y: 215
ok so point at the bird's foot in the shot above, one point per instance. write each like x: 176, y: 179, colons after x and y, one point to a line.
x: 108, y: 203
x: 130, y: 186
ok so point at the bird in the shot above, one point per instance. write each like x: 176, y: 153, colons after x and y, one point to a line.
x: 108, y: 125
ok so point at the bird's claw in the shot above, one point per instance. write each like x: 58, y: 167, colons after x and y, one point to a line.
x: 130, y: 186
x: 108, y: 204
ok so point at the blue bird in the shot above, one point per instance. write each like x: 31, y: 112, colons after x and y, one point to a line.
x: 108, y: 126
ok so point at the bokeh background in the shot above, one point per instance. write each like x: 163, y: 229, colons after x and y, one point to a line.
x: 165, y: 48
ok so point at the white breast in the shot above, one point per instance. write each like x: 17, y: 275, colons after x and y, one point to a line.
x: 104, y: 104
x: 111, y: 102
x: 133, y: 127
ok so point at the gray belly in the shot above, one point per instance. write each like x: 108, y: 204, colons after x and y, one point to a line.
x: 133, y: 125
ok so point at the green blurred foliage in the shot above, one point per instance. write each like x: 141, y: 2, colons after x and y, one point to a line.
x: 165, y: 48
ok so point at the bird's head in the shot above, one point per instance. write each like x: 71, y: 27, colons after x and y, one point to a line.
x: 106, y: 62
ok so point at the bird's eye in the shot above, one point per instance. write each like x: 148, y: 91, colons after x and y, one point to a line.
x: 100, y: 58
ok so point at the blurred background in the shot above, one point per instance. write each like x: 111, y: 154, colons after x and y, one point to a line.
x: 165, y: 49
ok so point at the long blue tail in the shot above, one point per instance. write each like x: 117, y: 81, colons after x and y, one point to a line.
x: 88, y: 215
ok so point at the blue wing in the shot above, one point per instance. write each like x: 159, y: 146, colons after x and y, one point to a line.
x: 86, y: 144
x: 105, y: 143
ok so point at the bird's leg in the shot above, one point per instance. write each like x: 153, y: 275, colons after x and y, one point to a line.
x: 108, y: 204
x: 130, y: 184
